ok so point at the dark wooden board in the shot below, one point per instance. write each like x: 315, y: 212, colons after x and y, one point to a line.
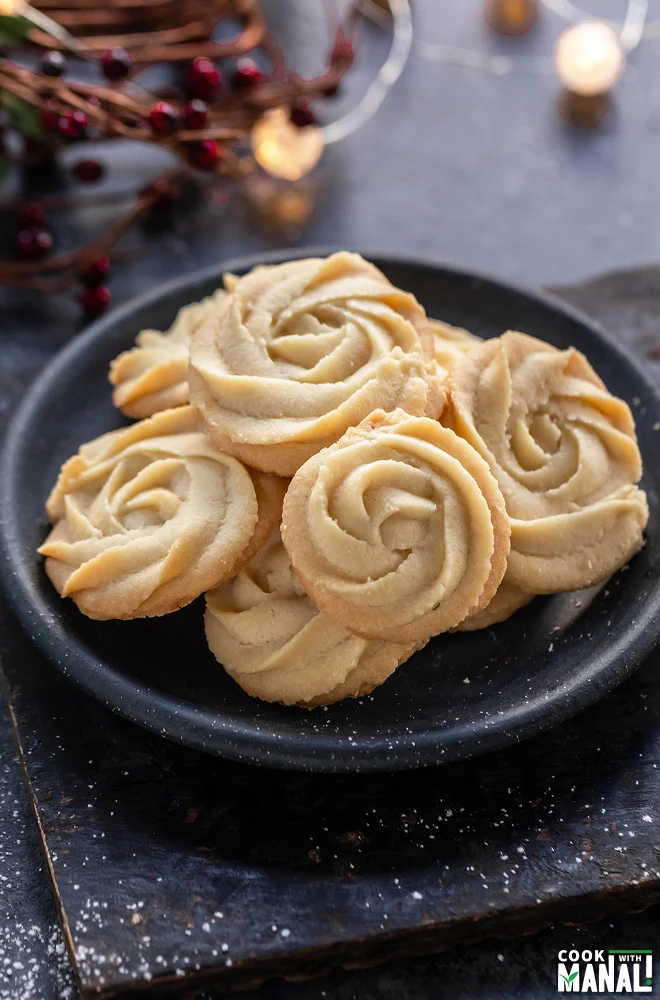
x: 148, y: 842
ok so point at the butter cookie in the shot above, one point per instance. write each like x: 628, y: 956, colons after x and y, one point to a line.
x: 398, y: 531
x: 305, y: 350
x: 149, y: 517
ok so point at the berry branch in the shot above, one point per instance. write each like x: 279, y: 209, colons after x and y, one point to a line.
x: 174, y: 31
x: 203, y: 127
x: 61, y: 272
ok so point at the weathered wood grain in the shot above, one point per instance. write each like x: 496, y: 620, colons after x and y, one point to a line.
x: 149, y: 843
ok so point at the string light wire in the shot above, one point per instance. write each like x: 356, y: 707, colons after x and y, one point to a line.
x: 388, y: 74
x: 469, y: 59
x: 632, y: 30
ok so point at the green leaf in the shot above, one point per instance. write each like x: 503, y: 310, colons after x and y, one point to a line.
x: 13, y: 29
x: 22, y: 115
x: 572, y: 976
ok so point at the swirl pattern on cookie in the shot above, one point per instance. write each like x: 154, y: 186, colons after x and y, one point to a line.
x: 564, y: 453
x: 153, y: 375
x: 398, y: 531
x: 450, y: 343
x: 149, y: 517
x: 272, y: 639
x: 305, y: 350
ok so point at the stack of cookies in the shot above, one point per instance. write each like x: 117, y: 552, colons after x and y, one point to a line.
x: 343, y: 478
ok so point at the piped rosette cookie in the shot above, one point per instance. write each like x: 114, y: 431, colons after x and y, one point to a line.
x: 564, y: 453
x: 149, y: 517
x: 272, y: 639
x: 398, y: 531
x: 450, y: 343
x: 153, y: 375
x: 506, y: 601
x: 305, y: 350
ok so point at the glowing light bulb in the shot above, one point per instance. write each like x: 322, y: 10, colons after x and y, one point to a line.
x: 589, y: 59
x: 285, y: 207
x: 511, y: 17
x: 282, y: 148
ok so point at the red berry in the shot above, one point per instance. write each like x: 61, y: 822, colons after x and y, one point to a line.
x: 95, y: 300
x: 204, y: 154
x: 195, y: 114
x: 96, y: 273
x: 34, y: 243
x: 163, y: 119
x: 50, y: 117
x: 246, y: 75
x: 73, y: 126
x: 116, y: 65
x: 302, y: 115
x: 52, y: 64
x: 32, y: 215
x: 203, y: 79
x: 88, y: 171
x: 66, y: 127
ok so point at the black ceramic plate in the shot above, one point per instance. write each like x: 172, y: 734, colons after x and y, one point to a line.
x: 460, y: 696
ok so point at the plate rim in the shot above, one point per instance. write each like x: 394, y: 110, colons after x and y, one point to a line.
x: 249, y: 742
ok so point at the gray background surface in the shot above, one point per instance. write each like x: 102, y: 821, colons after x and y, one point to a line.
x: 460, y: 164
